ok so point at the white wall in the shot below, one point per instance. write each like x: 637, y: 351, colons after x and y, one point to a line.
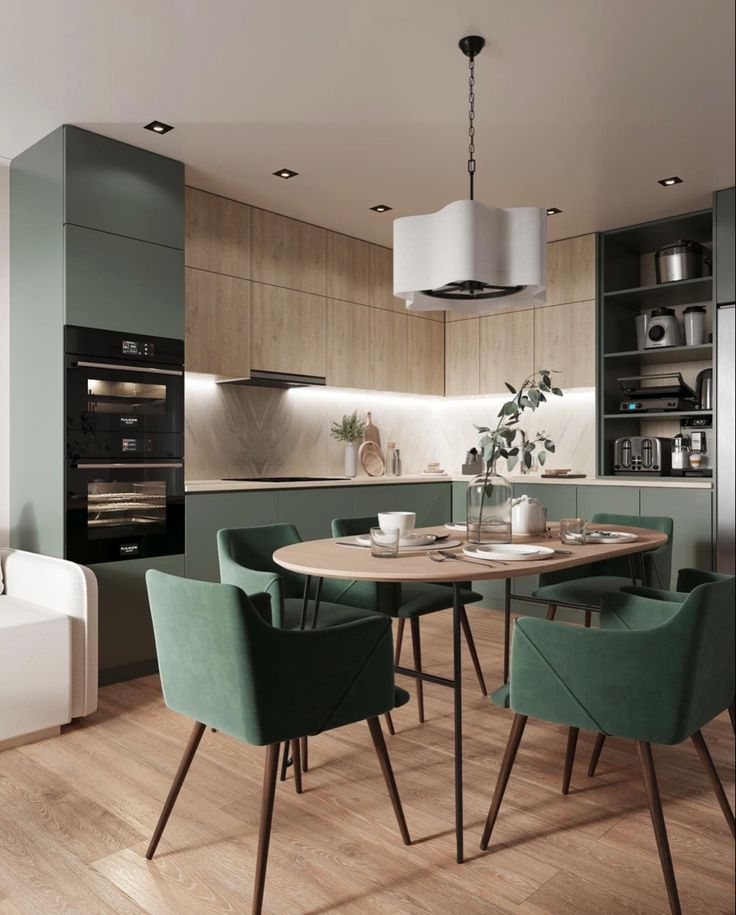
x: 4, y: 349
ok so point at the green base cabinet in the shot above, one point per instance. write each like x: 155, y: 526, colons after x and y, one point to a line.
x: 692, y: 513
x: 430, y: 501
x: 618, y: 500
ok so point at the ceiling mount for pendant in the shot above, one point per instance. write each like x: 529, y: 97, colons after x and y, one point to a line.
x: 468, y: 254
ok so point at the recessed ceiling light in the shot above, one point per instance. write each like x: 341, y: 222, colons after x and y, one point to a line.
x: 159, y: 127
x: 381, y: 208
x: 285, y: 173
x: 668, y: 182
x: 553, y: 211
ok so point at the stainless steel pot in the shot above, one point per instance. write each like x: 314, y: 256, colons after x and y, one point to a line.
x: 682, y: 260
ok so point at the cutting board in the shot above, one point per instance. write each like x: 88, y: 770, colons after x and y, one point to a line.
x: 371, y: 431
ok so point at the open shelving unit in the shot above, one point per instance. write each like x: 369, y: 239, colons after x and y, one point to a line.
x: 627, y: 288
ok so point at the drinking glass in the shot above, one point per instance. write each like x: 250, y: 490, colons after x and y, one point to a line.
x: 385, y: 544
x: 572, y: 530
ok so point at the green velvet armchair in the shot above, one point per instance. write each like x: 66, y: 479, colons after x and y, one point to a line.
x: 406, y: 601
x: 224, y: 666
x: 583, y: 587
x: 659, y: 683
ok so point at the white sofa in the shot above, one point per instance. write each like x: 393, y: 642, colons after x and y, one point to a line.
x: 48, y: 645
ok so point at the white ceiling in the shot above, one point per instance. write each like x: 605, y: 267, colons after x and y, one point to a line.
x: 582, y: 104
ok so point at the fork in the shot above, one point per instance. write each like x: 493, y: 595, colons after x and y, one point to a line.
x: 445, y: 555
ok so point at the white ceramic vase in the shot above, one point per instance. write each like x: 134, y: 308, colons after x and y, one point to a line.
x: 351, y: 460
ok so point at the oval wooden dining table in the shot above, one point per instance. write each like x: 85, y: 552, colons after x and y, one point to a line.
x: 330, y: 558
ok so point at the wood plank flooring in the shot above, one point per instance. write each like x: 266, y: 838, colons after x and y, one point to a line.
x: 76, y: 813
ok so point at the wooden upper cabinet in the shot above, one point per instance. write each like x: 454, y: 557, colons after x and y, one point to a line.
x: 506, y: 350
x: 571, y: 270
x: 425, y: 356
x: 217, y: 234
x: 288, y: 253
x: 348, y: 344
x: 388, y: 355
x: 462, y: 349
x: 564, y: 339
x: 217, y: 336
x: 348, y: 268
x: 287, y: 331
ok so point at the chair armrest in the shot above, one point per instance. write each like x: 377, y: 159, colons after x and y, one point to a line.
x: 262, y: 603
x: 313, y: 680
x: 68, y: 588
x: 655, y: 593
x: 255, y: 583
x: 689, y: 579
x: 622, y: 682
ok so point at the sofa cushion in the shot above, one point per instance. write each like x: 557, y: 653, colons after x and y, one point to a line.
x: 15, y: 612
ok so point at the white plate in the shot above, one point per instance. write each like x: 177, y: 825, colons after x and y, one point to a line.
x: 609, y: 537
x: 509, y: 552
x: 411, y: 542
x: 457, y: 527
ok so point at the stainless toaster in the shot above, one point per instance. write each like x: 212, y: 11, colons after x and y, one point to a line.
x: 641, y: 454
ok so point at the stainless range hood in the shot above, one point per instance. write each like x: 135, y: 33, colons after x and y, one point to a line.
x: 261, y: 379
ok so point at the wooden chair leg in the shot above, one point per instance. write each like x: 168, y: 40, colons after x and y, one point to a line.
x: 732, y: 714
x: 509, y: 757
x: 390, y: 723
x: 285, y: 761
x: 296, y: 755
x: 181, y: 773
x: 588, y: 618
x: 551, y: 611
x: 264, y: 833
x: 304, y: 753
x: 710, y: 770
x: 465, y: 623
x: 660, y: 830
x: 596, y: 754
x: 399, y: 641
x: 572, y: 742
x: 417, y: 649
x: 374, y: 725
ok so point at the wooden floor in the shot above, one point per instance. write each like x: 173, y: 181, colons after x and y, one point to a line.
x: 76, y: 813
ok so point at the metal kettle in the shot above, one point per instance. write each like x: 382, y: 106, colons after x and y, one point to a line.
x: 704, y: 389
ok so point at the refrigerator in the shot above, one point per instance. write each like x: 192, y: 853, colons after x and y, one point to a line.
x: 725, y: 438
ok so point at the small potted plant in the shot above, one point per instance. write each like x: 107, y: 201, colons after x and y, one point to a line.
x: 489, y: 494
x: 349, y: 430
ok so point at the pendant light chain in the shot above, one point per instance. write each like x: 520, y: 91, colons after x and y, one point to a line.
x: 471, y: 122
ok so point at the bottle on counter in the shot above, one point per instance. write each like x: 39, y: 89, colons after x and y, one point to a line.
x: 390, y: 457
x: 396, y: 463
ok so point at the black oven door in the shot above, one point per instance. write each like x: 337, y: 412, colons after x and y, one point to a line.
x: 124, y: 510
x: 105, y: 400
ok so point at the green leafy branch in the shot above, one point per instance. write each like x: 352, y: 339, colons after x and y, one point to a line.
x: 350, y: 429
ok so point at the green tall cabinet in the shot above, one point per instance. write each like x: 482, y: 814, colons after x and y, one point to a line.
x: 96, y: 240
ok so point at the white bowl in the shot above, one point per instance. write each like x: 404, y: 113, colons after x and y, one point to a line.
x: 402, y: 521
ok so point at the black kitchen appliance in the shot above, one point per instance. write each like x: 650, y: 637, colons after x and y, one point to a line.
x: 659, y: 393
x: 124, y: 445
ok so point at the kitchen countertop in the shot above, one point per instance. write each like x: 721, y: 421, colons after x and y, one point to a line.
x: 210, y: 486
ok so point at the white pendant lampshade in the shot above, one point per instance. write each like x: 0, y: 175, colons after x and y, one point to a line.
x: 471, y: 258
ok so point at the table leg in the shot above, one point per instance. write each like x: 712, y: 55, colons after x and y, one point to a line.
x: 457, y: 609
x: 317, y: 597
x: 506, y: 629
x: 632, y: 569
x: 305, y: 601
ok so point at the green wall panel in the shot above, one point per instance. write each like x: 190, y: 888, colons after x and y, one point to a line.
x: 126, y: 642
x: 559, y: 499
x: 206, y: 513
x: 620, y: 500
x: 692, y: 513
x: 312, y: 510
x: 122, y: 284
x: 118, y: 188
x: 431, y: 501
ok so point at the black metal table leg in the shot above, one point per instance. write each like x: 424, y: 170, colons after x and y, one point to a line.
x: 632, y: 569
x: 506, y: 629
x: 305, y: 601
x: 317, y: 596
x: 457, y: 608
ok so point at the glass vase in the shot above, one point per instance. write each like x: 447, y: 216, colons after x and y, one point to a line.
x: 489, y: 508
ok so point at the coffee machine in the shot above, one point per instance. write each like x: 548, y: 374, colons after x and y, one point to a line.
x: 698, y: 430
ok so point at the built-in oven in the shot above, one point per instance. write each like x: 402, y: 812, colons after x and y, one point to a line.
x: 124, y: 446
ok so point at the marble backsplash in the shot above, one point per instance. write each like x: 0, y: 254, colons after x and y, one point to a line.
x: 239, y: 431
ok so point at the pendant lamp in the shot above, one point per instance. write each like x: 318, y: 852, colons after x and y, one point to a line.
x: 470, y: 257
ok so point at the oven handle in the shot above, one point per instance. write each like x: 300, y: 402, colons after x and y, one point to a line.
x: 127, y: 368
x: 127, y: 466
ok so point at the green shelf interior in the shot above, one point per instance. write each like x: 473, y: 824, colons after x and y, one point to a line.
x: 683, y: 292
x: 665, y: 354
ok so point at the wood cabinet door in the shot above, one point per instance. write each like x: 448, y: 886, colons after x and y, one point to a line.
x: 217, y: 234
x: 462, y: 352
x: 564, y: 339
x: 506, y: 350
x: 217, y: 333
x: 348, y: 269
x: 287, y: 331
x: 388, y: 350
x: 571, y: 270
x: 348, y: 344
x: 288, y: 253
x: 425, y: 356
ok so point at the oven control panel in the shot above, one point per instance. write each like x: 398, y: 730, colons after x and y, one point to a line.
x: 138, y: 348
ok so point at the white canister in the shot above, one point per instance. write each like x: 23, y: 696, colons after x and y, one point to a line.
x: 694, y: 321
x: 351, y: 460
x: 528, y: 517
